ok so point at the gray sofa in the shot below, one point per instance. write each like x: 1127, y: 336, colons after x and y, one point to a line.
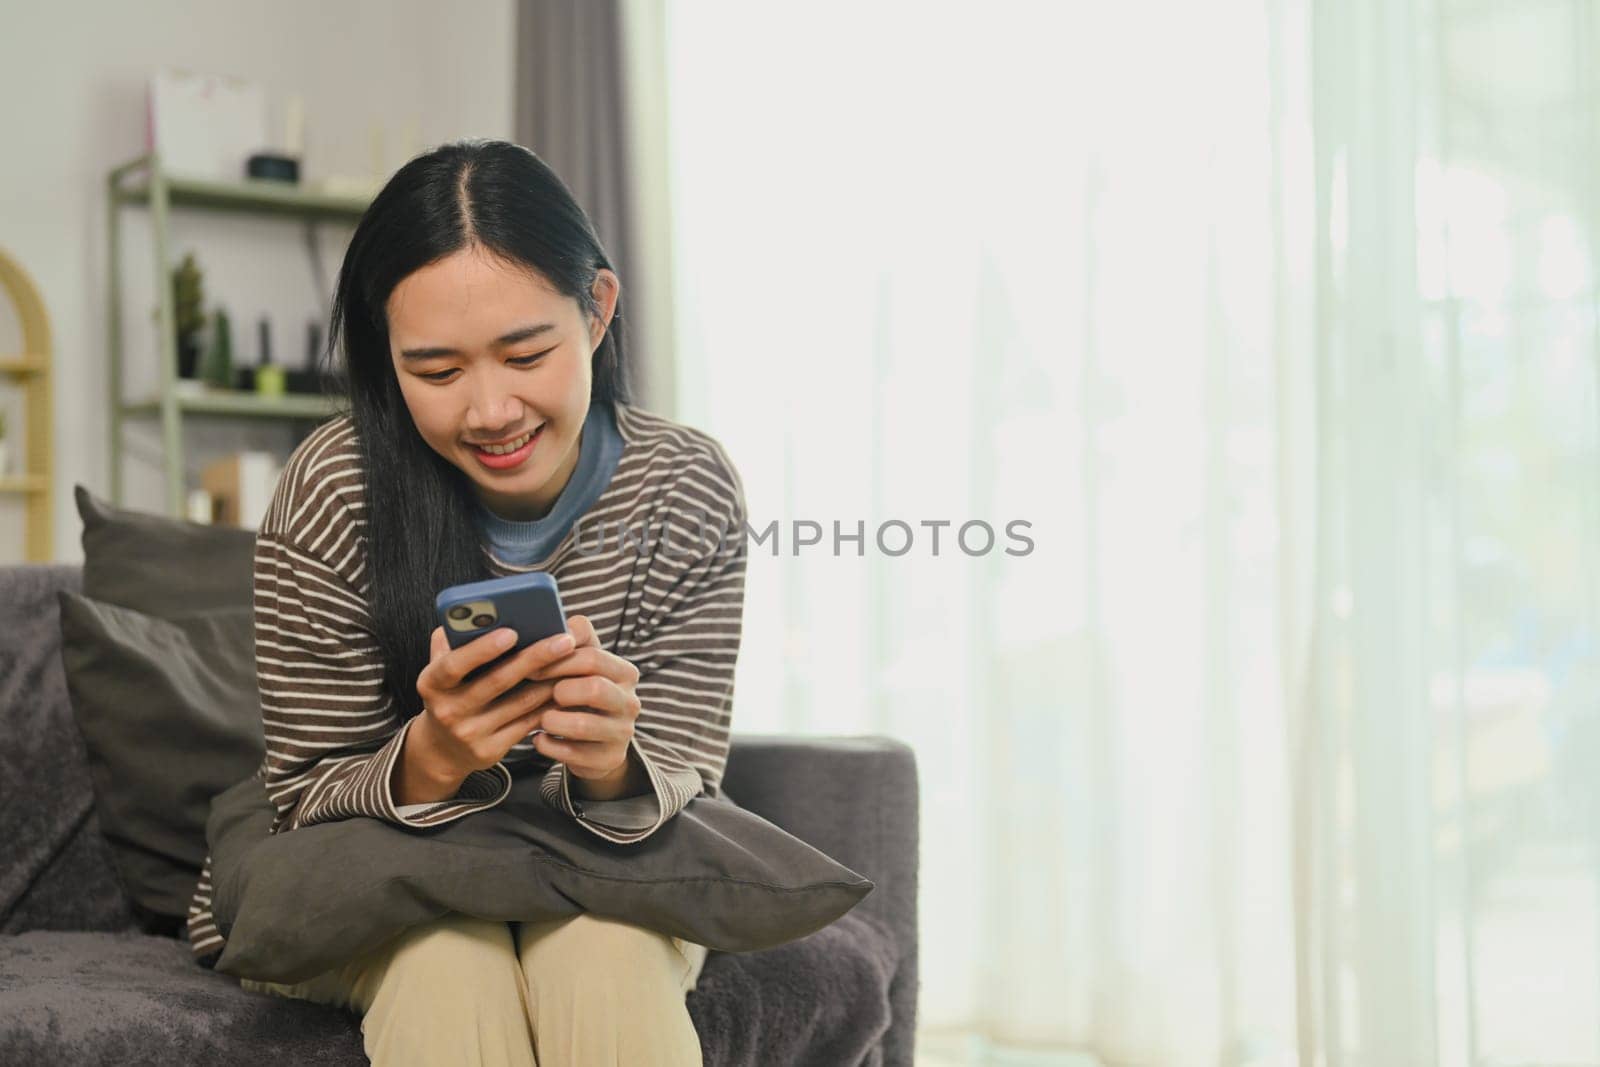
x: 83, y: 980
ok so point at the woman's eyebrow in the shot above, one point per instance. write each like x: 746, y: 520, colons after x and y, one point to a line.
x: 520, y: 334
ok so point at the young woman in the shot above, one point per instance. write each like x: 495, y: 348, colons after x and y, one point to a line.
x: 490, y: 432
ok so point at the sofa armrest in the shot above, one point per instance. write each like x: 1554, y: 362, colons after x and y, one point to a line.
x: 855, y: 798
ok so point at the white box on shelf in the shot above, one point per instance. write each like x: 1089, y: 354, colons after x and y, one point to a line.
x: 205, y: 125
x: 201, y: 508
x: 242, y: 485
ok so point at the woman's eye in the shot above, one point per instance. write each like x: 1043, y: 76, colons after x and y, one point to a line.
x: 448, y: 373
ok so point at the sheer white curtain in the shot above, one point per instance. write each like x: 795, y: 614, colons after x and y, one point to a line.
x: 1507, y: 188
x: 1213, y: 757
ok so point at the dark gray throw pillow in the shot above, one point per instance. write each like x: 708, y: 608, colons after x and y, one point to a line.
x: 162, y: 566
x: 294, y: 904
x: 170, y: 717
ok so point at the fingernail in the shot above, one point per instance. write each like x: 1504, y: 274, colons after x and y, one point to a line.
x: 505, y: 638
x: 563, y: 643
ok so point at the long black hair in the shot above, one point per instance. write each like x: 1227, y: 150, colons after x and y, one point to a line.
x: 421, y: 533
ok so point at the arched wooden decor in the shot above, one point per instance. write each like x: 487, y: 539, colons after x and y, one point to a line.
x: 30, y: 445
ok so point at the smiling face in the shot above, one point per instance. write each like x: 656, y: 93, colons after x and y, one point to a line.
x: 495, y: 366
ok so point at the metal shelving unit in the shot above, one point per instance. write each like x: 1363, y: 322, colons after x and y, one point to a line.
x: 142, y: 183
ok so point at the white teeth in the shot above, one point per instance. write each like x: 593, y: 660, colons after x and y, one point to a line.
x: 510, y: 446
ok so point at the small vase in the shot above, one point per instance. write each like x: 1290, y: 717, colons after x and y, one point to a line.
x: 269, y: 380
x: 188, y: 357
x: 216, y: 367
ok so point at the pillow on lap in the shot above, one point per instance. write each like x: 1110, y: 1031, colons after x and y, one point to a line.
x: 297, y: 903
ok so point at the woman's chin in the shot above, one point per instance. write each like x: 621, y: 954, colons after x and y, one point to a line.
x: 508, y: 497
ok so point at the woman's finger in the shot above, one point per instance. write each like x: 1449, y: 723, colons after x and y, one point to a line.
x: 592, y: 756
x: 582, y: 631
x: 515, y: 703
x: 518, y: 727
x: 449, y: 669
x: 590, y: 659
x: 584, y: 725
x: 591, y: 709
x: 502, y: 677
x: 597, y: 693
x: 571, y: 727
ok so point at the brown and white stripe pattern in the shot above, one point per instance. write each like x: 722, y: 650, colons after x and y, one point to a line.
x: 673, y: 608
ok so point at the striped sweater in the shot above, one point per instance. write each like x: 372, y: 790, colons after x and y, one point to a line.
x: 657, y: 564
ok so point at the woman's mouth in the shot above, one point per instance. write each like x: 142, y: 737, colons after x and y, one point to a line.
x: 508, y: 454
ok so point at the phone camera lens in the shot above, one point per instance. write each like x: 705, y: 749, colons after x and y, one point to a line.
x: 459, y: 612
x: 482, y: 620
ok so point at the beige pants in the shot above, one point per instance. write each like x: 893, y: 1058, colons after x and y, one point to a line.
x: 576, y: 992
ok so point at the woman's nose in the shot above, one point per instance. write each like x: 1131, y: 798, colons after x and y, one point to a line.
x: 492, y: 408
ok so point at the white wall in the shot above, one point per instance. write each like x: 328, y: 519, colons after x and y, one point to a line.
x: 72, y: 106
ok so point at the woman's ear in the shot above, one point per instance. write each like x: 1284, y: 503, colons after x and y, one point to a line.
x: 607, y: 287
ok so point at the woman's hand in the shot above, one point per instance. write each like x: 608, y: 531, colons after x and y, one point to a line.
x: 471, y: 725
x: 591, y: 715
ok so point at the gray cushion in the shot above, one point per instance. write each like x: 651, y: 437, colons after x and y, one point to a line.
x: 824, y: 999
x: 56, y: 872
x: 127, y: 999
x: 85, y: 998
x: 170, y: 717
x: 162, y: 566
x: 294, y: 904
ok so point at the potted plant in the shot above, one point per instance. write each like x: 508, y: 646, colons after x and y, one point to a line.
x: 188, y: 318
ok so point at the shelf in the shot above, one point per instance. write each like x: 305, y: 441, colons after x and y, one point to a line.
x: 23, y: 366
x: 250, y: 196
x: 235, y: 402
x: 24, y: 483
x: 143, y: 183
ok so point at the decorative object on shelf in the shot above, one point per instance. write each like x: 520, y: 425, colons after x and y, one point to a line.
x: 310, y: 380
x: 349, y: 185
x: 241, y: 487
x: 283, y: 165
x: 219, y: 355
x: 366, y: 186
x: 244, y: 377
x: 188, y: 294
x: 269, y: 376
x: 269, y: 166
x: 205, y: 125
x: 269, y: 380
x: 199, y: 507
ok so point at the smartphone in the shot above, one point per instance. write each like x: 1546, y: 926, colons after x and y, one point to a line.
x: 528, y: 603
